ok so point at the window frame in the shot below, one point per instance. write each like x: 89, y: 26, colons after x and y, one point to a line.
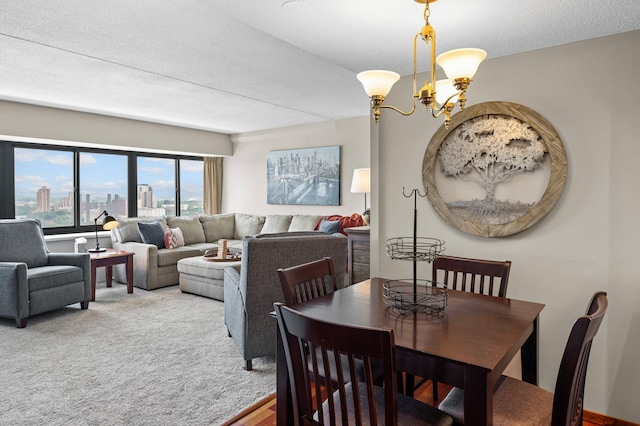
x: 7, y: 179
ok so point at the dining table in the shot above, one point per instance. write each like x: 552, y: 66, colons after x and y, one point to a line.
x: 468, y: 343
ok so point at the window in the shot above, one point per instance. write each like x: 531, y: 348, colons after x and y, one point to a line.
x: 103, y: 186
x: 156, y: 186
x: 191, y: 187
x: 66, y: 188
x: 44, y: 183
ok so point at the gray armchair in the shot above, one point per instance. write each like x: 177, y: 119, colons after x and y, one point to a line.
x: 32, y: 280
x: 249, y: 294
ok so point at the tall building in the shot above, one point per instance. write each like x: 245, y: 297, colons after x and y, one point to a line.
x: 145, y: 196
x: 42, y: 199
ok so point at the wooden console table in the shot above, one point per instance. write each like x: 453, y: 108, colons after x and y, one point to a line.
x: 359, y: 253
x: 108, y: 259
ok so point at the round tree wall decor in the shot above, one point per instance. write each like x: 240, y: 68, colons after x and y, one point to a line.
x: 498, y: 169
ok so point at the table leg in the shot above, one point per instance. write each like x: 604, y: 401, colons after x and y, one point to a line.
x: 108, y: 270
x: 529, y: 356
x: 129, y: 274
x: 478, y: 407
x: 93, y: 283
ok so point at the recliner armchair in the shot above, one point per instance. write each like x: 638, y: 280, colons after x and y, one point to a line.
x: 32, y: 280
x: 249, y: 294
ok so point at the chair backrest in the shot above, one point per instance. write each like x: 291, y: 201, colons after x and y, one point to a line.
x: 569, y: 393
x: 473, y: 275
x: 339, y: 341
x: 22, y: 240
x: 308, y: 281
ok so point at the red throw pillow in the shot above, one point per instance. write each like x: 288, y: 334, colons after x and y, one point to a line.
x: 345, y: 221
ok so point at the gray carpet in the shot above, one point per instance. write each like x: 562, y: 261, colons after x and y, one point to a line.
x: 156, y: 357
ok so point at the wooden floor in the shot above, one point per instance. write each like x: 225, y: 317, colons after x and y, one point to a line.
x: 264, y: 412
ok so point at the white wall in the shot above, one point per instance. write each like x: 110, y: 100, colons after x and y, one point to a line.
x: 590, y: 240
x: 24, y: 122
x: 245, y: 173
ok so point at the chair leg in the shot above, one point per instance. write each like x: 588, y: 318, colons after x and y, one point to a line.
x: 248, y: 365
x: 435, y: 390
x: 84, y: 304
x: 410, y: 385
x: 21, y: 322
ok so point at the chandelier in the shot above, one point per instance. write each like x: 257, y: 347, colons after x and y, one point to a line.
x: 459, y: 65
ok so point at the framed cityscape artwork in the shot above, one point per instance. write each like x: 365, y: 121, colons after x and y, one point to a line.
x: 308, y: 176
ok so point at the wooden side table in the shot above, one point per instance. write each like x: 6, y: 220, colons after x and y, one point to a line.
x: 359, y: 253
x: 108, y: 259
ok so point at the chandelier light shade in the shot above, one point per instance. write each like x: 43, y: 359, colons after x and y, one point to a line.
x: 459, y: 65
x: 378, y: 82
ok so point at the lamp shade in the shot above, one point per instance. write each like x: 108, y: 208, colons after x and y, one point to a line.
x: 461, y: 63
x: 378, y: 82
x: 109, y: 223
x: 444, y: 90
x: 361, y: 181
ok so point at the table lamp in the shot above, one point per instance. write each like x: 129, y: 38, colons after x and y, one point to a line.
x: 361, y: 183
x: 108, y: 223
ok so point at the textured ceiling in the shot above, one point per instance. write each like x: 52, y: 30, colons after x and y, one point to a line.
x: 236, y: 66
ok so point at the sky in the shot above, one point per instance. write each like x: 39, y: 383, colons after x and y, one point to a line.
x: 101, y: 174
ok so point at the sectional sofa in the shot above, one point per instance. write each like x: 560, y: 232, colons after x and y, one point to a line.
x: 157, y: 267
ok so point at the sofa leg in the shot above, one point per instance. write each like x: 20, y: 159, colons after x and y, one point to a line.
x: 248, y: 365
x: 21, y: 322
x: 84, y: 304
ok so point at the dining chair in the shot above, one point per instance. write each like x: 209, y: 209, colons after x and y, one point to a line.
x: 308, y: 281
x: 518, y: 402
x: 480, y: 276
x: 305, y: 282
x: 348, y: 400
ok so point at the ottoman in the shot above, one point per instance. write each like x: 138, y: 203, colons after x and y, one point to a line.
x: 204, y: 277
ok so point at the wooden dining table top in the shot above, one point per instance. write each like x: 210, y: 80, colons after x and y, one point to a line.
x: 473, y: 330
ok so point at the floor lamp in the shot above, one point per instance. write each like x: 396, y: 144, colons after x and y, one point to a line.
x: 361, y: 183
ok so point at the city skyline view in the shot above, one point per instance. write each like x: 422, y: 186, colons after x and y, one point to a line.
x: 103, y: 182
x: 101, y: 174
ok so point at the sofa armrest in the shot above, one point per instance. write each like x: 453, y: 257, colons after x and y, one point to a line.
x: 14, y: 290
x: 145, y: 263
x: 235, y: 310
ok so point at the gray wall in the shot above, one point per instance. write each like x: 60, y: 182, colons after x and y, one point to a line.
x: 245, y: 173
x: 590, y: 240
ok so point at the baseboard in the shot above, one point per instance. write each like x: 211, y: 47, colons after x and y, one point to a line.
x: 602, y: 420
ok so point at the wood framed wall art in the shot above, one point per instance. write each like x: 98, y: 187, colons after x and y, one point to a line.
x: 497, y: 170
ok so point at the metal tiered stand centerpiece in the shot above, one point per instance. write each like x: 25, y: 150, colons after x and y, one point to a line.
x: 419, y: 295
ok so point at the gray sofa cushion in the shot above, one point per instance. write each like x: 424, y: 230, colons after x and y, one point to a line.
x: 127, y: 229
x: 247, y: 225
x: 218, y: 226
x: 190, y: 226
x: 152, y: 233
x: 276, y: 223
x: 303, y: 222
x: 31, y: 250
x: 46, y: 277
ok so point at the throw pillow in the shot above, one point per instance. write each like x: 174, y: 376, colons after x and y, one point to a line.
x: 152, y: 233
x: 329, y: 226
x: 173, y: 238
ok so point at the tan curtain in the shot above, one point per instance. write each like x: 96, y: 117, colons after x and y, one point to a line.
x: 212, y: 185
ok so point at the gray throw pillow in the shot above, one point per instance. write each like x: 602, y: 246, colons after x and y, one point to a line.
x: 152, y: 233
x: 329, y: 226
